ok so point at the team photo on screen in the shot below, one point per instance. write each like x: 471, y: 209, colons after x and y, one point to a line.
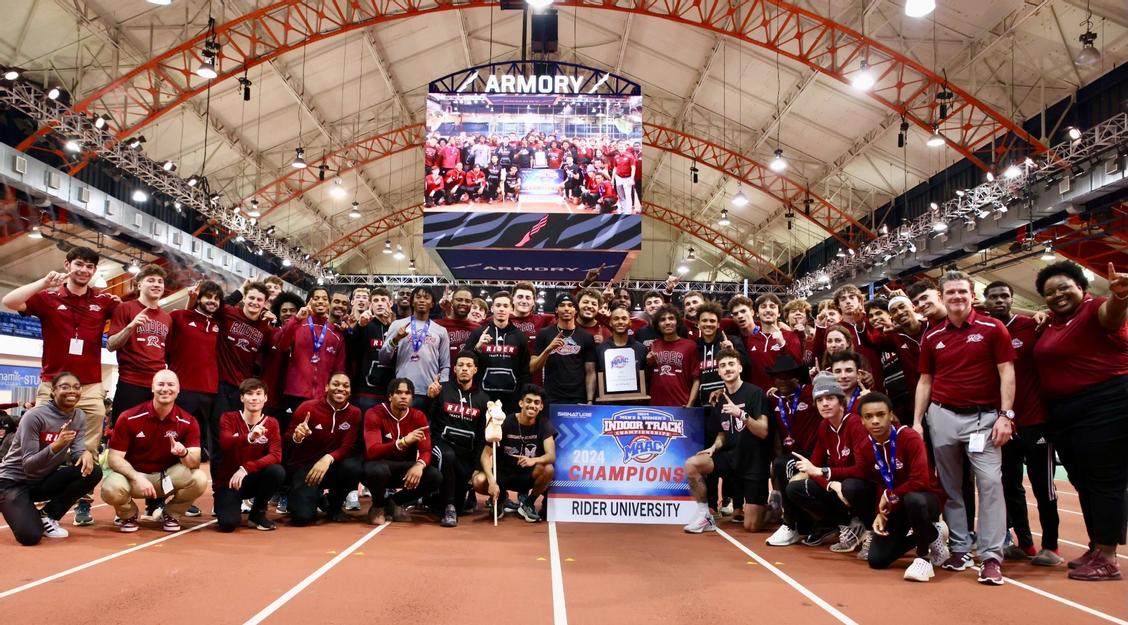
x: 541, y: 153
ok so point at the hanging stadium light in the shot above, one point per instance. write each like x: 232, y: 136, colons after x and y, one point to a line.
x: 919, y: 8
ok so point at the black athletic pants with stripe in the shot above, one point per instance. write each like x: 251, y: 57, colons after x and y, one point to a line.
x: 1030, y: 448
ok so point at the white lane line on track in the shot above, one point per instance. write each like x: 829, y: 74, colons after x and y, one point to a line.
x: 312, y: 577
x: 106, y: 558
x: 1062, y: 600
x: 790, y: 581
x: 559, y: 609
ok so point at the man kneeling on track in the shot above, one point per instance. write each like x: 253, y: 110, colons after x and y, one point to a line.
x: 830, y: 485
x: 397, y: 452
x: 155, y: 453
x: 318, y: 453
x: 47, y: 461
x: 525, y: 456
x: 251, y: 465
x: 458, y: 419
x: 740, y: 454
x: 895, y: 458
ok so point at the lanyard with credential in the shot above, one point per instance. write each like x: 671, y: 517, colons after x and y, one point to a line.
x: 853, y: 400
x: 417, y: 338
x: 886, y: 468
x: 318, y: 341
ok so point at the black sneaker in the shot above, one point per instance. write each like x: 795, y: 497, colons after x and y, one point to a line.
x: 450, y: 517
x: 471, y: 505
x: 192, y: 511
x: 260, y: 522
x: 819, y: 535
x: 528, y: 513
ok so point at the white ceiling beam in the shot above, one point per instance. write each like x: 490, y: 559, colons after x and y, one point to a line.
x: 375, y: 50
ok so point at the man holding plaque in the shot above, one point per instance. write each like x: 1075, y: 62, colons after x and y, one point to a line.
x: 620, y: 358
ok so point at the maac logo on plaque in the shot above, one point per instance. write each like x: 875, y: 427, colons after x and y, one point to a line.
x: 643, y: 433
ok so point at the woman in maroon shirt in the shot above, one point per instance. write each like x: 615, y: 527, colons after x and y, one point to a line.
x: 1082, y: 360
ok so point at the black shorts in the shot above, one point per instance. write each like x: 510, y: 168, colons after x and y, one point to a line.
x: 726, y: 465
x: 514, y: 478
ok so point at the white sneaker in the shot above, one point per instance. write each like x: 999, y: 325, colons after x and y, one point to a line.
x: 52, y: 529
x: 783, y: 537
x: 938, y: 551
x: 245, y: 507
x: 352, y: 501
x: 919, y: 571
x: 701, y: 524
x: 726, y: 508
x: 364, y: 493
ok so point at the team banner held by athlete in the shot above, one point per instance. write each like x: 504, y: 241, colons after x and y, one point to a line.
x: 623, y: 464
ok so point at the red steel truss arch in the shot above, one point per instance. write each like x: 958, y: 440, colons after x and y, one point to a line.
x: 166, y: 81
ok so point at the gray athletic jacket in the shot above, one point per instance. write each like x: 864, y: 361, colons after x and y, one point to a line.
x: 29, y: 459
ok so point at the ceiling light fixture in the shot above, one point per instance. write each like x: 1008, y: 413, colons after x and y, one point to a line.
x: 539, y: 4
x: 35, y: 233
x: 354, y: 212
x: 54, y: 93
x: 168, y: 166
x: 388, y: 246
x: 133, y: 268
x: 254, y: 212
x: 338, y: 191
x: 919, y: 8
x: 399, y: 255
x: 1089, y: 54
x: 691, y: 256
x: 724, y: 220
x: 740, y: 200
x: 1048, y: 254
x: 207, y: 67
x: 863, y: 80
x: 193, y: 180
x: 299, y: 159
x: 11, y: 74
x: 73, y: 145
x: 1012, y: 172
x: 1074, y: 133
x: 936, y: 139
x: 778, y: 163
x: 139, y: 195
x: 286, y: 262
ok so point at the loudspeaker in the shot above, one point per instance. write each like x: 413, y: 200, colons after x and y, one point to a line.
x: 544, y: 35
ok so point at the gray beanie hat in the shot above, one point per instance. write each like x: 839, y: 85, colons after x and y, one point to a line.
x: 825, y: 384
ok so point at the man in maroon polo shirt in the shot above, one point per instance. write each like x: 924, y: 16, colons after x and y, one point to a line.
x: 966, y: 391
x: 138, y: 333
x: 191, y: 352
x: 73, y: 318
x: 1029, y: 448
x: 155, y: 452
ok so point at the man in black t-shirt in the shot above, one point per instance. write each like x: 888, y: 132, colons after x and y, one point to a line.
x: 457, y: 415
x: 740, y: 453
x: 525, y: 455
x: 567, y: 355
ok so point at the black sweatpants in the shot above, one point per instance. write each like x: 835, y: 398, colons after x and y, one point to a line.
x: 226, y: 399
x: 61, y: 489
x: 456, y: 470
x: 824, y: 506
x: 1030, y: 448
x: 783, y: 467
x: 127, y: 396
x: 201, y: 406
x: 380, y: 475
x: 260, y: 485
x: 341, y: 477
x: 1089, y: 430
x: 918, y: 512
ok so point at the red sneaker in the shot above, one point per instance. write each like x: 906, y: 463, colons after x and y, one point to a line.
x: 1083, y: 559
x: 169, y: 524
x: 991, y: 573
x: 1099, y: 568
x: 128, y: 526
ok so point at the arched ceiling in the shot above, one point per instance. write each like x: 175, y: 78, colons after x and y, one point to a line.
x: 704, y: 72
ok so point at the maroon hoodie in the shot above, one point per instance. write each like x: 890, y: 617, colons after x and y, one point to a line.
x: 382, y: 429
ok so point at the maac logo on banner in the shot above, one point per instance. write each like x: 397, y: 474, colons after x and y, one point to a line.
x: 643, y: 433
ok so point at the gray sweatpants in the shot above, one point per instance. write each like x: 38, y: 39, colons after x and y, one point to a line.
x: 950, y: 435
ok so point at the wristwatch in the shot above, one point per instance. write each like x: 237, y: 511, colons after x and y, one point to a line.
x: 1009, y: 414
x: 826, y: 473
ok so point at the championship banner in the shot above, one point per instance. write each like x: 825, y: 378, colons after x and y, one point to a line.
x: 623, y: 464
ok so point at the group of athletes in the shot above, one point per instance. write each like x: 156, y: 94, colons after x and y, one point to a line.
x: 870, y: 425
x: 600, y: 173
